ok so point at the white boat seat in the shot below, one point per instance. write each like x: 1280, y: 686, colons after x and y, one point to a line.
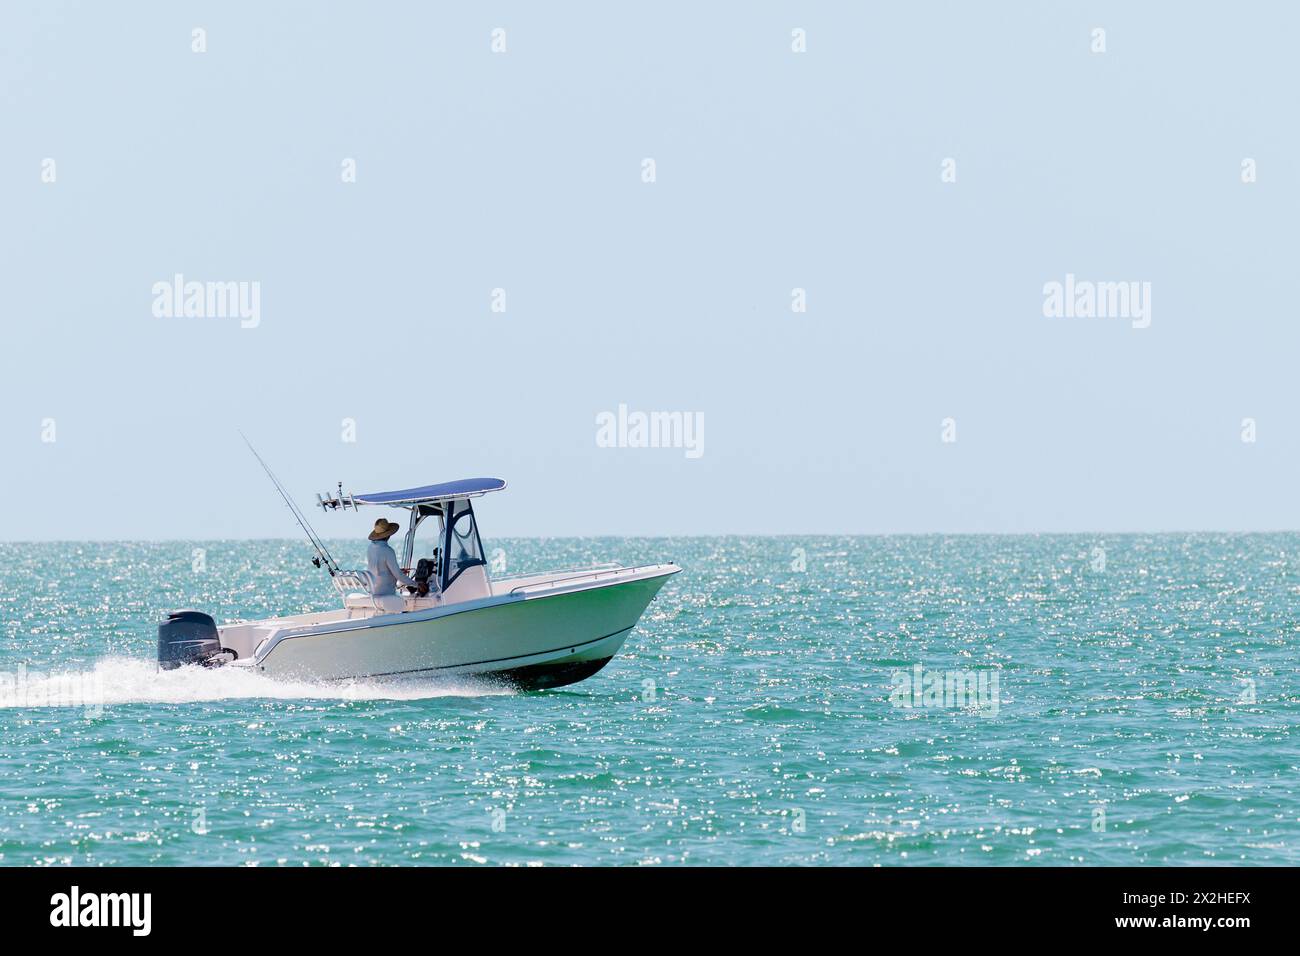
x: 385, y: 604
x: 363, y: 600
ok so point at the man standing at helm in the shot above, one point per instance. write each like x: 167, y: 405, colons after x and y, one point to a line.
x: 381, y: 560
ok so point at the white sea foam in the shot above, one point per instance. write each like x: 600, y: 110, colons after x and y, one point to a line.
x: 127, y: 680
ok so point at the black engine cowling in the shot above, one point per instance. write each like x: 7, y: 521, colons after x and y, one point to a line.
x: 187, y: 637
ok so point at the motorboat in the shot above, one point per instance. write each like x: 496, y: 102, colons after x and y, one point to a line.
x: 532, y: 630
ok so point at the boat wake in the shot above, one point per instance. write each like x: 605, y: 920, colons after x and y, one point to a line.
x: 128, y: 680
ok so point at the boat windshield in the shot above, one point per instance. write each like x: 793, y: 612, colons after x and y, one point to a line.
x: 428, y: 541
x: 464, y: 549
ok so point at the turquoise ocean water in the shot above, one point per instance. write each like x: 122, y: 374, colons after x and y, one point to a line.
x: 1145, y: 711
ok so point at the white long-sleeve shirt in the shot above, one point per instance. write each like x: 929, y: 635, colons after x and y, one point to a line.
x: 381, y: 562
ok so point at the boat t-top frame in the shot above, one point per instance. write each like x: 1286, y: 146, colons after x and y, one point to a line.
x: 459, y: 541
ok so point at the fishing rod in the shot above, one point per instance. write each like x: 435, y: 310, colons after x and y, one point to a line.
x: 322, y: 552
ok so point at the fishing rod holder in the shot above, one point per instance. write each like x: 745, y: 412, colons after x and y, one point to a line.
x: 333, y: 502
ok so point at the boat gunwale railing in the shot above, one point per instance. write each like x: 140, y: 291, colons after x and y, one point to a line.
x: 606, y: 566
x: 590, y: 574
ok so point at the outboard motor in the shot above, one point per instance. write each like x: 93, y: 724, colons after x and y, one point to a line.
x: 187, y: 637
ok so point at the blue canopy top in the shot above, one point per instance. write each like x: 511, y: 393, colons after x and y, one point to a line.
x: 464, y: 488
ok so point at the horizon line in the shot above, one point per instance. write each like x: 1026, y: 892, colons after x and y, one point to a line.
x: 664, y: 537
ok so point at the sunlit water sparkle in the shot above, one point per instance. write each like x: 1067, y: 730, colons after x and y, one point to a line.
x: 1147, y: 713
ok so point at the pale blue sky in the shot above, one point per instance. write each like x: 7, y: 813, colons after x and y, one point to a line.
x: 775, y: 170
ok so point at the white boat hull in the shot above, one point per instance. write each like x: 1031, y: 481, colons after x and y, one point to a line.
x: 530, y: 640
